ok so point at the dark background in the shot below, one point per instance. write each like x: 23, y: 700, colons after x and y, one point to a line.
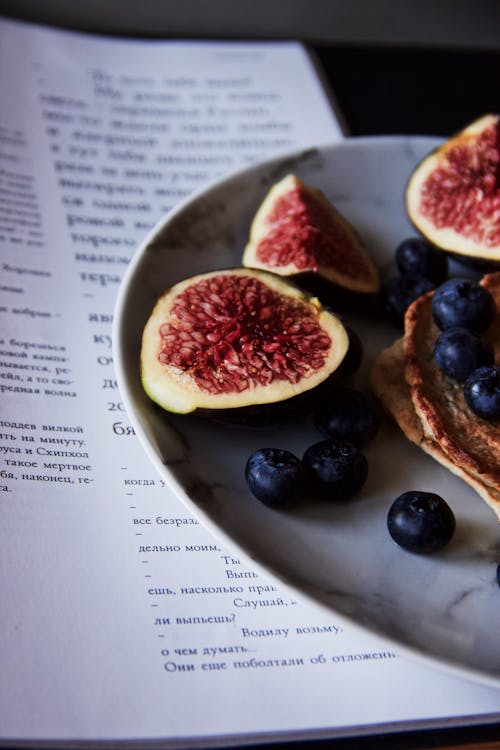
x: 414, y: 90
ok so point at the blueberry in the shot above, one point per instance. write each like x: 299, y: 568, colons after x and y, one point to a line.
x: 337, y: 468
x: 463, y: 302
x: 398, y: 292
x: 482, y: 392
x: 420, y: 522
x: 417, y: 256
x: 352, y: 360
x: 458, y: 352
x: 347, y: 414
x: 276, y: 477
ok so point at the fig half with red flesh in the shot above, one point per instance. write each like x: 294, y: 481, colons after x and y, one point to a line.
x: 297, y: 232
x: 453, y: 195
x: 232, y: 341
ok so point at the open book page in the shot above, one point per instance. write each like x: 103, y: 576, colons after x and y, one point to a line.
x: 122, y: 618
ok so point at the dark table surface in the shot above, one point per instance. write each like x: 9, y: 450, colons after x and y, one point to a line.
x: 405, y: 90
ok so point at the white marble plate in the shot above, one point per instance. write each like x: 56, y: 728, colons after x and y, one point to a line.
x: 445, y: 608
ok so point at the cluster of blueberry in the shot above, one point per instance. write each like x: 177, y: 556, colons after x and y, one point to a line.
x: 421, y: 268
x: 334, y: 468
x: 463, y: 310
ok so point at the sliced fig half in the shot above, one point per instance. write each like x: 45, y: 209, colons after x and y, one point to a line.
x: 297, y: 232
x: 234, y: 340
x: 453, y: 195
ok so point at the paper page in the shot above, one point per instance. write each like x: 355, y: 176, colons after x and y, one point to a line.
x: 122, y: 618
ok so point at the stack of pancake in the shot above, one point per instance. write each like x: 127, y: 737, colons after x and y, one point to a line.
x: 430, y: 408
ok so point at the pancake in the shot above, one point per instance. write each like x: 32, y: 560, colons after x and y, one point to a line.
x: 430, y: 408
x: 387, y: 380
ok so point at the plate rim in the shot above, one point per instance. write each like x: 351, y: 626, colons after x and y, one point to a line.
x: 414, y: 653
